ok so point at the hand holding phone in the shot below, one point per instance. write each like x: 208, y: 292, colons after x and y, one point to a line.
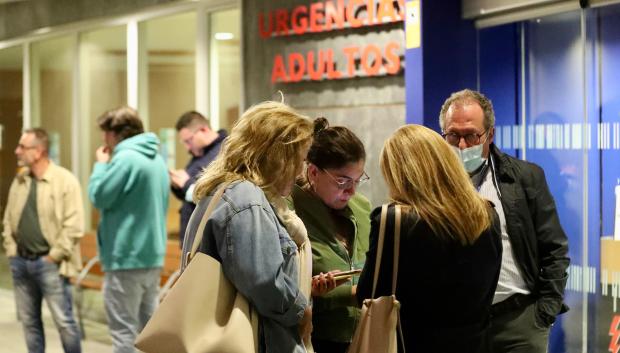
x: 178, y: 177
x: 346, y: 274
x: 325, y: 282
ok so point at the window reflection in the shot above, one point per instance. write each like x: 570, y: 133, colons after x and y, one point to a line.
x: 225, y: 67
x: 10, y: 116
x: 170, y: 50
x: 51, y: 93
x: 103, y: 64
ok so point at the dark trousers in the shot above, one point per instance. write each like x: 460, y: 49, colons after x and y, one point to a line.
x: 322, y: 346
x: 516, y: 331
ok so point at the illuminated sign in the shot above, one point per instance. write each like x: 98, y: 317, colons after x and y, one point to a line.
x: 614, y: 332
x: 354, y: 60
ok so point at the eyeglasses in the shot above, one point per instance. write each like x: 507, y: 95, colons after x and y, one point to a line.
x: 470, y: 139
x: 345, y: 183
x: 24, y: 147
x: 188, y: 141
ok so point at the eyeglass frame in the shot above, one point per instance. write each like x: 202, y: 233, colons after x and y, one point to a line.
x: 350, y: 182
x: 23, y: 147
x: 464, y: 137
x: 188, y: 141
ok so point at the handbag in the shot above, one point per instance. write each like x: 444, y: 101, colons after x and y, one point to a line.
x: 203, y: 312
x: 376, y: 331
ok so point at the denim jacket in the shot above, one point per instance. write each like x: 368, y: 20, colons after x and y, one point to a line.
x: 258, y: 257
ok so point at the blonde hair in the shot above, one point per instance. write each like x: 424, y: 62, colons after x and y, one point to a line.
x: 423, y: 173
x: 263, y: 147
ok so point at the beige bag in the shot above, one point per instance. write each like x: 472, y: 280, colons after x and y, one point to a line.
x: 203, y: 312
x: 379, y: 321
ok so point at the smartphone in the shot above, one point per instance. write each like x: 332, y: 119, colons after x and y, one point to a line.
x: 346, y: 274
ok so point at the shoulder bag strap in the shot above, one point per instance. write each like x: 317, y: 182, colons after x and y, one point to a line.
x: 397, y: 217
x: 203, y: 221
x: 396, y: 247
x: 384, y: 211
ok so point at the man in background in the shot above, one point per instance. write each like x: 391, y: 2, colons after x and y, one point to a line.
x: 530, y: 290
x: 43, y: 223
x: 203, y: 144
x: 129, y: 186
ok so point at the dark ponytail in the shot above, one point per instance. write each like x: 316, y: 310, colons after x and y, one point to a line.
x: 334, y: 146
x: 320, y: 124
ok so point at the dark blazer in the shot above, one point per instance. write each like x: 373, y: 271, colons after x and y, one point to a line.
x: 539, y: 244
x: 194, y: 168
x: 445, y: 289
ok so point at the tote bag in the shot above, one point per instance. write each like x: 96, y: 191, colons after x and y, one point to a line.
x: 203, y: 312
x: 376, y: 331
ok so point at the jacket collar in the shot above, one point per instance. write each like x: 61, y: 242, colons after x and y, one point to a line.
x: 502, y: 164
x: 315, y: 208
x: 24, y: 173
x: 221, y: 136
x: 49, y: 172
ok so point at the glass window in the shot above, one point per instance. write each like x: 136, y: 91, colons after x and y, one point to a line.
x: 225, y: 67
x: 103, y: 86
x: 51, y: 64
x: 556, y: 135
x: 606, y: 309
x: 568, y: 87
x: 499, y: 82
x: 11, y: 117
x: 171, y: 53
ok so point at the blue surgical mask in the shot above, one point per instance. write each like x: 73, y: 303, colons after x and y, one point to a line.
x: 471, y: 157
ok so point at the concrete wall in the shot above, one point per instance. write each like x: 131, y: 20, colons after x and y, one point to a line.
x: 22, y: 17
x: 372, y: 107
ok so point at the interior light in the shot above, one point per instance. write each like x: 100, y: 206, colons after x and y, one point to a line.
x: 224, y: 36
x: 42, y: 30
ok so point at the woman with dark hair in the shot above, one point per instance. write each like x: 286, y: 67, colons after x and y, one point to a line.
x: 337, y: 220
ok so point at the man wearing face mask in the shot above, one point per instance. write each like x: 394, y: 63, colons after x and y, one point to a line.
x: 530, y: 289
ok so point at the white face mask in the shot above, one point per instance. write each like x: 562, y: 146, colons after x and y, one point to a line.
x: 471, y: 157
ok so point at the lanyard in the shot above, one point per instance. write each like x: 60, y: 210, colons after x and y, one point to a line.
x: 479, y: 179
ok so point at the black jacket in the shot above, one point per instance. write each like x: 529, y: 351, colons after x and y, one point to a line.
x: 538, y: 242
x: 445, y: 289
x: 194, y: 169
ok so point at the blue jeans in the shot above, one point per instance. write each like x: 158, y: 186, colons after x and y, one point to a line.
x: 35, y: 280
x: 130, y: 298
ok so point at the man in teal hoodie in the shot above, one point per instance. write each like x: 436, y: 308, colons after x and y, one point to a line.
x: 129, y: 186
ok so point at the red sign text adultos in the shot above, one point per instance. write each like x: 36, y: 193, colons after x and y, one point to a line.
x: 365, y: 59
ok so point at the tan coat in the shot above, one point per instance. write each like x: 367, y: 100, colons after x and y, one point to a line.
x: 61, y: 215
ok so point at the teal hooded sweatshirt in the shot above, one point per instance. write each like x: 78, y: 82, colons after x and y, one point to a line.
x: 131, y: 192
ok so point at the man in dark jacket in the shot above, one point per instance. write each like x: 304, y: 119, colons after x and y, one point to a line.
x: 530, y: 289
x: 203, y: 144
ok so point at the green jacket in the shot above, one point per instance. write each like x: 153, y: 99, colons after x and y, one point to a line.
x: 335, y: 315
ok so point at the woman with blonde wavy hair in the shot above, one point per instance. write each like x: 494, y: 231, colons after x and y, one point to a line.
x: 450, y: 247
x: 261, y: 245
